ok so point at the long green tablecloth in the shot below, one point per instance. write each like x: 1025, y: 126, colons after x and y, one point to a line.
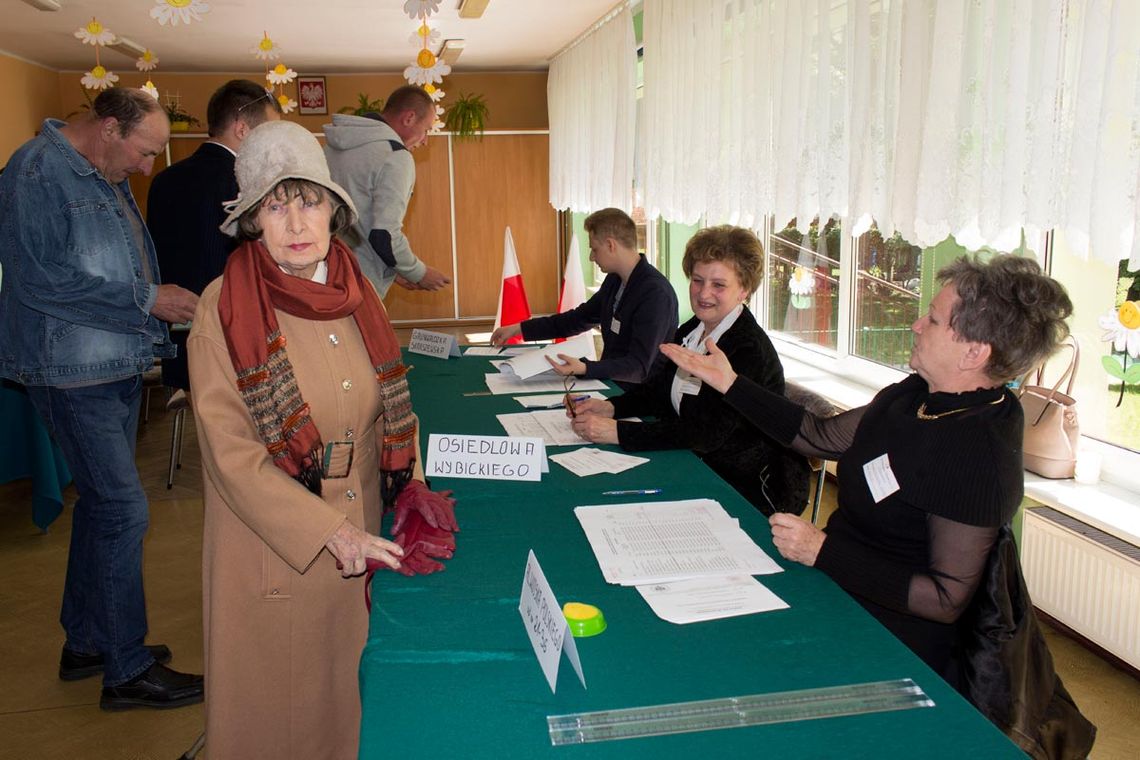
x: 448, y: 670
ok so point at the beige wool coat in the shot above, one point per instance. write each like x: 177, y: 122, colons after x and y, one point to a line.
x: 283, y: 630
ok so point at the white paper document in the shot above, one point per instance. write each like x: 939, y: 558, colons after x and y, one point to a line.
x: 551, y: 425
x: 500, y: 383
x: 534, y: 362
x: 554, y: 400
x: 483, y: 351
x: 661, y: 542
x: 701, y: 599
x: 586, y: 461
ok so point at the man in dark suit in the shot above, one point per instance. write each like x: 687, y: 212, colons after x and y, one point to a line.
x: 184, y: 206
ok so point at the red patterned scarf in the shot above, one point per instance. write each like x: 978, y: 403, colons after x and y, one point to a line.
x: 253, y: 287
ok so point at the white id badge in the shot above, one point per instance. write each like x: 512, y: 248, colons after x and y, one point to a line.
x: 879, y: 477
x: 689, y: 384
x: 615, y: 325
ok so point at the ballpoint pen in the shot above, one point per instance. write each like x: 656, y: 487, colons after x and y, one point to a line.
x: 633, y: 492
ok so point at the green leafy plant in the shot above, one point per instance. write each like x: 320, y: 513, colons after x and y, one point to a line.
x: 87, y: 106
x: 175, y: 113
x: 363, y: 105
x: 466, y: 117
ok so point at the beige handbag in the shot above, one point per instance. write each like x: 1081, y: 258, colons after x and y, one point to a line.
x: 1051, y: 428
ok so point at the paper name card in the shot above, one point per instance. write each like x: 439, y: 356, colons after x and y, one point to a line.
x: 437, y: 344
x: 485, y: 457
x: 545, y: 625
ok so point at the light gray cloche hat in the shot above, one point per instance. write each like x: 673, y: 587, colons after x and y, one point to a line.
x: 273, y: 151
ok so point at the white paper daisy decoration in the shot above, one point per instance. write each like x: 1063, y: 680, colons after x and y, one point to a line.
x: 427, y: 69
x: 1122, y: 327
x: 266, y: 50
x: 421, y: 8
x: 281, y: 74
x: 148, y: 61
x: 94, y: 33
x: 287, y: 103
x: 150, y: 89
x: 434, y: 92
x: 802, y: 282
x: 99, y: 78
x: 425, y: 36
x: 174, y: 12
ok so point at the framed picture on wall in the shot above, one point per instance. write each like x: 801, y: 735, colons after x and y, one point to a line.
x: 312, y: 95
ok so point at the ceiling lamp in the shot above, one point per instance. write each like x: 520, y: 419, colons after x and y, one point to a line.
x: 472, y: 8
x: 127, y: 47
x: 451, y: 51
x: 43, y: 5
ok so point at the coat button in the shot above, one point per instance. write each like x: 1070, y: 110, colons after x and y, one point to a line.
x: 334, y: 339
x: 349, y: 433
x: 346, y: 384
x: 350, y: 494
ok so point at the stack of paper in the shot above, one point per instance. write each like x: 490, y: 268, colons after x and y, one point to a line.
x: 554, y: 400
x: 551, y: 425
x: 500, y: 382
x: 692, y: 556
x: 587, y: 461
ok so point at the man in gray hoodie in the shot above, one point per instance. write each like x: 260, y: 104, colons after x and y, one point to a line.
x: 369, y: 156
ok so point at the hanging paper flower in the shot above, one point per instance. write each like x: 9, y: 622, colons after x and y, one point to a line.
x: 95, y: 33
x: 421, y: 8
x: 426, y: 69
x: 802, y: 282
x: 99, y: 78
x: 287, y: 103
x: 435, y: 93
x: 266, y: 50
x: 280, y: 74
x: 174, y: 11
x: 1122, y: 327
x: 425, y: 36
x: 150, y: 89
x: 148, y: 61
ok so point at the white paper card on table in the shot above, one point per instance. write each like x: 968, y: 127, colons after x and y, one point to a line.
x: 534, y: 362
x: 880, y: 478
x: 660, y: 542
x: 485, y: 457
x: 587, y: 461
x: 545, y: 625
x: 500, y: 383
x: 555, y: 400
x: 437, y: 344
x: 551, y: 425
x: 700, y: 599
x: 483, y: 351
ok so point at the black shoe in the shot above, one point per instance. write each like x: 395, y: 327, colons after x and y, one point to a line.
x: 73, y: 666
x: 158, y: 687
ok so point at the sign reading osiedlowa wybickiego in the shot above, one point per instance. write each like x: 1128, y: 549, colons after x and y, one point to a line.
x: 486, y: 457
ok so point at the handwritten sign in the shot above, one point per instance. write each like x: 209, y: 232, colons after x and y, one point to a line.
x: 545, y: 626
x: 428, y: 343
x: 486, y: 457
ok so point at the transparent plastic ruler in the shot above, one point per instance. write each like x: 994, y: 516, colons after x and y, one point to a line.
x: 734, y: 712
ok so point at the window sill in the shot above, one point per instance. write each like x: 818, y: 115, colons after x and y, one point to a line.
x: 1113, y: 509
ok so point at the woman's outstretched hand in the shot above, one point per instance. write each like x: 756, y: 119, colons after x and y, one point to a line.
x: 712, y: 368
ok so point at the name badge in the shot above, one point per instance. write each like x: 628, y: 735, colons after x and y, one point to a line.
x: 880, y: 478
x: 615, y: 325
x: 689, y: 384
x: 337, y: 460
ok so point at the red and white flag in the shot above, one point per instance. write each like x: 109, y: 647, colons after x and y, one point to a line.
x: 573, y: 284
x: 513, y: 307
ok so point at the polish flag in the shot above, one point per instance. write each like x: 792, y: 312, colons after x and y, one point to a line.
x: 513, y: 307
x: 573, y: 284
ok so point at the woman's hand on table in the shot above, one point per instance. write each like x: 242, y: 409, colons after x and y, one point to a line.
x: 712, y: 368
x: 352, y: 547
x: 594, y: 427
x: 796, y: 539
x: 567, y: 366
x: 595, y: 406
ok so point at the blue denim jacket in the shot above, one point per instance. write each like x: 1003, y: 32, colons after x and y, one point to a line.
x: 74, y: 305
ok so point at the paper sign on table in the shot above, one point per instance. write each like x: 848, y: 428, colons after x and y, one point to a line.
x: 437, y: 344
x: 486, y: 457
x: 545, y: 625
x: 534, y: 362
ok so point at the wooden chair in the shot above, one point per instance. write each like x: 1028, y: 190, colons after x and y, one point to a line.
x: 820, y: 407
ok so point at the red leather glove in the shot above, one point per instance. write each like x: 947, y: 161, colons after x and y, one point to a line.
x: 438, y: 509
x: 422, y: 543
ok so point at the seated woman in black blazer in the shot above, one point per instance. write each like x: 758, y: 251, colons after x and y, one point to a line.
x: 724, y: 266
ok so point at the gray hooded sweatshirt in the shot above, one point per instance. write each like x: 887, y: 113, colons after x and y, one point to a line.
x: 367, y: 158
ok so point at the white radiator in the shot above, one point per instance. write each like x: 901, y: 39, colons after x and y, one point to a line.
x: 1085, y: 578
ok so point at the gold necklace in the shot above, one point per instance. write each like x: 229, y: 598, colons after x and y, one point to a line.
x: 922, y: 415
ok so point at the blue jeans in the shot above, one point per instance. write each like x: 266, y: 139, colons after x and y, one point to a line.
x: 104, y: 610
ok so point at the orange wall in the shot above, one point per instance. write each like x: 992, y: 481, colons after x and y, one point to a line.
x: 31, y: 94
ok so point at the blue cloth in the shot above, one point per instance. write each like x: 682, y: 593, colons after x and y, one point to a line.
x: 27, y: 451
x: 75, y: 306
x: 104, y: 609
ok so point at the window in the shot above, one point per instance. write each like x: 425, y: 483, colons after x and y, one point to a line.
x: 803, y: 283
x: 888, y: 297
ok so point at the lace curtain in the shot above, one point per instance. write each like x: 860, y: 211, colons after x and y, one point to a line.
x: 591, y: 99
x: 977, y: 118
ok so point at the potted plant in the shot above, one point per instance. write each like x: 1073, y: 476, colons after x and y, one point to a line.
x: 466, y: 117
x: 180, y: 121
x: 363, y: 105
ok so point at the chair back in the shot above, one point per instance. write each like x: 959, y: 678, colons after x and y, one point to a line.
x: 819, y: 407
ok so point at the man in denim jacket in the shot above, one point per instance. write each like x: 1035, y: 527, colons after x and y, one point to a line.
x: 82, y: 315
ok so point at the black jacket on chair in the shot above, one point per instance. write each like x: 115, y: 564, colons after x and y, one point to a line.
x: 183, y: 213
x: 1007, y: 669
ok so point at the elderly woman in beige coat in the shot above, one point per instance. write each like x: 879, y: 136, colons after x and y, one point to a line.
x: 306, y: 429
